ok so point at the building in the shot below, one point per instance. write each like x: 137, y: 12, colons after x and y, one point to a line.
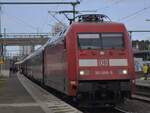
x: 140, y: 45
x: 26, y: 50
x: 58, y: 27
x: 141, y: 49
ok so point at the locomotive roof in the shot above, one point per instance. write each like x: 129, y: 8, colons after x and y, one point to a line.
x: 110, y: 23
x: 60, y: 34
x: 104, y: 25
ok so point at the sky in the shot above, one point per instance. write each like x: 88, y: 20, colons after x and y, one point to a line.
x: 35, y: 18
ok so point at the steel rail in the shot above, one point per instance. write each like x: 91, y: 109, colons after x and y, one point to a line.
x: 121, y: 110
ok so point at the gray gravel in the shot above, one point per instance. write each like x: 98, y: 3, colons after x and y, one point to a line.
x: 136, y: 106
x: 20, y: 110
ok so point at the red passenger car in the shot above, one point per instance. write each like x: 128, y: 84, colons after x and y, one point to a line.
x: 91, y: 61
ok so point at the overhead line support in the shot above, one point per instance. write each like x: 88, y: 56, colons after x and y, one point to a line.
x: 35, y: 3
x: 43, y: 3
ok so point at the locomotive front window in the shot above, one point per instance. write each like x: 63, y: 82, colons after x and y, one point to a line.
x: 89, y: 41
x: 101, y: 41
x: 112, y: 40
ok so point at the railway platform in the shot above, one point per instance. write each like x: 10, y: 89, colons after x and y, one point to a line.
x: 142, y: 91
x: 20, y: 95
x: 15, y: 99
x: 142, y: 82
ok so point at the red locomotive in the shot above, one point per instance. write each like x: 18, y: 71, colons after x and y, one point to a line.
x: 91, y: 61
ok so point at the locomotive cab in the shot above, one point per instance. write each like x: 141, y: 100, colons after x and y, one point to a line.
x: 104, y: 62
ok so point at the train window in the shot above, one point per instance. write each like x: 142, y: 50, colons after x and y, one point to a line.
x: 89, y: 41
x: 64, y: 42
x: 101, y: 41
x: 60, y: 33
x: 88, y: 36
x: 64, y: 31
x: 112, y: 40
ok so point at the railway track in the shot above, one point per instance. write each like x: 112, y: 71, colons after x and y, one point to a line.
x: 59, y: 104
x: 142, y: 93
x: 121, y: 110
x: 107, y: 110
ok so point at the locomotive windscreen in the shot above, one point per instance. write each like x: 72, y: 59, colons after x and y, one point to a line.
x: 100, y: 41
x: 89, y: 41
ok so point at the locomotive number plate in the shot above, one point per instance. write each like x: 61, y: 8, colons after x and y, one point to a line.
x: 106, y: 72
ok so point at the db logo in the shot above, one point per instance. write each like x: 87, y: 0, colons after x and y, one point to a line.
x: 103, y: 62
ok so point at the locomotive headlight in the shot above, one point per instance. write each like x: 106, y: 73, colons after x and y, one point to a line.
x: 81, y: 72
x: 123, y: 71
x: 84, y: 72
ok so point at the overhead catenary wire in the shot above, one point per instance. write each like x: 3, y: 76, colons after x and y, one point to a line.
x: 115, y: 2
x: 18, y: 19
x: 55, y: 18
x: 57, y: 8
x: 27, y: 24
x: 133, y: 14
x: 53, y: 14
x: 44, y: 23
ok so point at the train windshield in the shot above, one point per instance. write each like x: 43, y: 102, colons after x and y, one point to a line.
x: 112, y: 41
x: 89, y: 41
x: 101, y: 41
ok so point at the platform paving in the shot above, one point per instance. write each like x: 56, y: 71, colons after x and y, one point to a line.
x: 142, y: 82
x: 20, y: 95
x: 29, y: 109
x: 15, y: 99
x: 47, y: 101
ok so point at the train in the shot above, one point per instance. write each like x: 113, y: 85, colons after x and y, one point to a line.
x: 90, y: 61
